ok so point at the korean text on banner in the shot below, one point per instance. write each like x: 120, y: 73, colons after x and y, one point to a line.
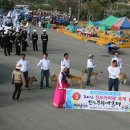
x: 98, y: 100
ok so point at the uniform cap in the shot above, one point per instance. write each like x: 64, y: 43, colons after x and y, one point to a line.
x: 44, y: 30
x: 5, y: 32
x: 34, y: 30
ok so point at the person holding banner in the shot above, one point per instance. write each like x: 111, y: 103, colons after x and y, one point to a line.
x: 114, y: 71
x: 60, y: 91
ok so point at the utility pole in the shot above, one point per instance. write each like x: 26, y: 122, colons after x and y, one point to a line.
x: 79, y: 5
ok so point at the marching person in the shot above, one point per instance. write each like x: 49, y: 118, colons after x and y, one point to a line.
x: 45, y: 66
x: 44, y: 38
x: 17, y: 80
x: 118, y: 59
x: 24, y: 40
x: 18, y: 44
x: 90, y: 66
x: 34, y: 40
x: 66, y: 61
x: 114, y: 72
x: 11, y: 41
x: 1, y: 38
x: 24, y: 68
x: 6, y: 43
x: 60, y: 91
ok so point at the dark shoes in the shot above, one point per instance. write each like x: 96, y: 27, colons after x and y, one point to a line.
x: 41, y: 87
x: 15, y: 98
x: 48, y: 86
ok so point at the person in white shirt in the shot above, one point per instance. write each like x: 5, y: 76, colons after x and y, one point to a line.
x: 24, y: 68
x: 45, y: 66
x: 66, y: 62
x: 90, y: 65
x: 114, y: 72
x: 118, y: 59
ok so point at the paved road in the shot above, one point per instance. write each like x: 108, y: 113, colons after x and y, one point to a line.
x: 35, y: 111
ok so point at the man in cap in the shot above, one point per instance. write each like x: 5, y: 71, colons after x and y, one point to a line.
x: 44, y: 38
x: 90, y: 65
x: 6, y: 43
x: 2, y: 38
x: 17, y: 80
x: 24, y: 40
x: 18, y: 43
x: 34, y: 40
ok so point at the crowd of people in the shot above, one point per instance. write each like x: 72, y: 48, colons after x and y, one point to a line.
x: 18, y: 38
x: 16, y: 28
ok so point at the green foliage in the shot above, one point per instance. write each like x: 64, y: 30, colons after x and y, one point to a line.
x: 41, y: 6
x: 6, y: 4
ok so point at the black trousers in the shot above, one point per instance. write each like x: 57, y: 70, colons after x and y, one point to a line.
x: 45, y: 73
x: 17, y: 91
x: 18, y: 50
x: 113, y: 83
x: 68, y: 73
x: 24, y: 46
x: 6, y: 50
x: 25, y: 74
x: 10, y: 47
x: 35, y: 48
x: 44, y: 46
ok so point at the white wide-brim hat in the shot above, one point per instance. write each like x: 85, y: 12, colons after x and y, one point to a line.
x: 18, y: 67
x: 90, y: 56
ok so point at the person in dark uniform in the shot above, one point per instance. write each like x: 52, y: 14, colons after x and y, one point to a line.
x: 44, y: 38
x: 14, y: 35
x: 24, y: 40
x: 2, y: 38
x: 18, y: 43
x: 6, y: 44
x: 34, y: 40
x: 11, y: 42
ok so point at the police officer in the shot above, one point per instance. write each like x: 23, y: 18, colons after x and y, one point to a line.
x: 6, y: 43
x: 24, y: 40
x: 11, y: 41
x: 2, y: 38
x: 34, y: 40
x: 44, y: 38
x: 18, y: 43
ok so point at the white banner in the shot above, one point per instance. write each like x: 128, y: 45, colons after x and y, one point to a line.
x: 98, y: 100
